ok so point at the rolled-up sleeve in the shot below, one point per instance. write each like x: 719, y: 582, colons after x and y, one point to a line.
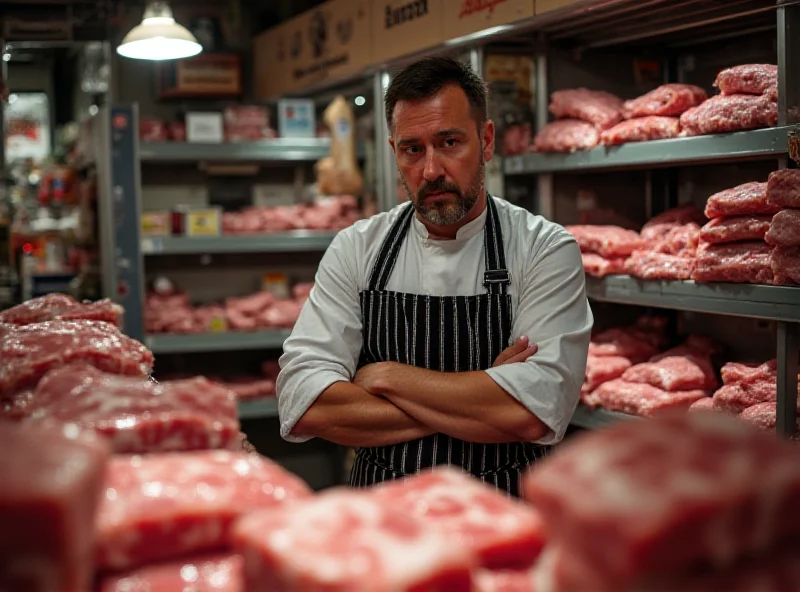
x: 553, y: 312
x: 326, y: 340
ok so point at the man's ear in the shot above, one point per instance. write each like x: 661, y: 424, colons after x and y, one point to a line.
x: 487, y: 137
x: 391, y: 143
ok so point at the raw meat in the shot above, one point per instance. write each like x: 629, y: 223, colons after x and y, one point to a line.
x: 743, y: 200
x: 659, y: 226
x: 32, y: 350
x: 566, y: 135
x: 330, y: 213
x: 735, y: 398
x: 204, y: 573
x: 606, y: 241
x: 680, y: 240
x: 640, y: 399
x: 516, y: 139
x: 250, y: 388
x: 784, y: 230
x: 16, y: 406
x: 783, y: 188
x: 641, y: 129
x: 633, y: 345
x: 163, y: 506
x: 763, y: 415
x: 250, y: 305
x: 598, y: 266
x: 704, y: 404
x: 675, y: 373
x: 283, y: 314
x: 501, y: 532
x: 738, y: 372
x: 52, y: 481
x: 730, y: 113
x: 344, y: 541
x: 647, y: 265
x: 60, y: 307
x: 600, y: 369
x: 504, y: 581
x: 745, y: 262
x: 302, y: 290
x: 737, y: 228
x: 136, y: 414
x: 668, y: 100
x: 597, y: 107
x: 785, y: 265
x: 748, y: 79
x: 657, y: 497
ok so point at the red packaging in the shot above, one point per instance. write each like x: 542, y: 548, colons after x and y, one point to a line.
x: 177, y: 131
x: 641, y: 129
x: 668, y: 100
x: 784, y: 229
x: 152, y: 129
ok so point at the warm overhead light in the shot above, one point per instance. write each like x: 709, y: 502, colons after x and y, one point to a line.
x: 159, y: 37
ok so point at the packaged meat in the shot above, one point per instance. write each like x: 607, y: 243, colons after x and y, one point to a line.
x: 600, y: 369
x: 743, y: 200
x: 738, y: 372
x: 745, y: 262
x: 784, y: 230
x: 598, y: 266
x: 675, y: 373
x: 785, y: 265
x: 516, y: 139
x: 730, y: 113
x: 60, y: 307
x: 599, y: 108
x: 645, y: 499
x: 566, y: 135
x: 507, y: 580
x: 747, y: 79
x: 641, y: 129
x: 704, y: 404
x: 647, y: 265
x: 735, y: 398
x: 52, y: 482
x: 639, y: 398
x: 251, y: 305
x: 30, y: 351
x: 282, y: 314
x: 338, y: 173
x: 250, y: 388
x: 736, y: 228
x: 218, y: 572
x: 668, y: 100
x: 633, y: 345
x: 606, y: 241
x: 347, y: 540
x: 501, y: 532
x: 302, y: 290
x: 660, y: 225
x: 783, y: 188
x: 764, y: 416
x: 163, y: 506
x: 136, y: 414
x: 679, y: 240
x: 694, y: 345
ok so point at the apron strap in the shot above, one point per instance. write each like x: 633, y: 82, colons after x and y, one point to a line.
x: 390, y: 248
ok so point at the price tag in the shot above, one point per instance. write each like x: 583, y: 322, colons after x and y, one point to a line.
x: 203, y: 223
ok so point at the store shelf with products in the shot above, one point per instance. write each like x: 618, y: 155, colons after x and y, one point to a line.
x: 277, y: 150
x: 216, y: 342
x: 592, y: 419
x: 284, y: 242
x: 258, y: 409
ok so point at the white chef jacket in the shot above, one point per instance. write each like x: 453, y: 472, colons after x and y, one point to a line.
x: 548, y: 298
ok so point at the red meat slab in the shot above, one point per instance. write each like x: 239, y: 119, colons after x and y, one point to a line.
x: 784, y: 230
x: 749, y: 199
x: 734, y: 372
x: 658, y: 226
x: 647, y: 265
x: 566, y: 135
x: 704, y: 404
x: 599, y: 108
x: 52, y: 481
x: 167, y: 505
x: 597, y: 266
x: 785, y: 265
x: 347, y: 541
x: 783, y: 188
x: 607, y: 241
x: 204, y: 573
x: 730, y: 113
x: 736, y: 228
x: 641, y: 129
x: 680, y: 240
x: 748, y: 79
x: 675, y: 373
x: 747, y: 262
x: 504, y: 581
x: 640, y: 399
x: 60, y: 307
x: 600, y: 369
x: 632, y: 344
x: 669, y: 100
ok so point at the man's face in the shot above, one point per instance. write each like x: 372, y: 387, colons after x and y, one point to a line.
x: 441, y: 153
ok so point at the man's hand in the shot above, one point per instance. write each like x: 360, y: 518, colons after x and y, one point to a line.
x: 520, y: 351
x: 369, y: 376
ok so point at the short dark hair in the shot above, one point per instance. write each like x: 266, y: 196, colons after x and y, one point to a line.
x: 423, y: 79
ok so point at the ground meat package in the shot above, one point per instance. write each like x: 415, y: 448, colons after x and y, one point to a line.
x: 219, y: 572
x: 601, y: 369
x: 679, y: 240
x: 647, y: 265
x: 749, y: 199
x: 675, y: 373
x: 566, y: 135
x: 662, y: 224
x: 748, y: 79
x: 635, y: 345
x: 60, y: 307
x: 730, y: 113
x: 598, y: 266
x: 668, y: 100
x: 785, y: 265
x: 620, y: 509
x: 607, y: 241
x: 783, y: 188
x: 736, y: 228
x: 784, y: 229
x: 639, y: 398
x: 747, y: 262
x: 764, y: 416
x: 641, y: 129
x: 599, y: 108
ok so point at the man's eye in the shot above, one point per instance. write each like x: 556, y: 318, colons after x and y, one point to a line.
x: 450, y: 142
x: 411, y: 150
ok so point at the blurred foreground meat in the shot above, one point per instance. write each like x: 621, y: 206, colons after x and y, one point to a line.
x: 60, y: 307
x: 221, y: 572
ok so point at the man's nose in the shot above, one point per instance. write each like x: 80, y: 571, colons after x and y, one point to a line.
x: 433, y: 169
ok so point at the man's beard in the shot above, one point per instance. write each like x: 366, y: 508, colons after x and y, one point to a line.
x: 445, y: 214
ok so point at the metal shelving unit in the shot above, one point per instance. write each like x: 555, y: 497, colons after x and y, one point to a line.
x: 285, y: 242
x: 277, y: 150
x: 215, y: 342
x: 258, y: 409
x: 592, y: 419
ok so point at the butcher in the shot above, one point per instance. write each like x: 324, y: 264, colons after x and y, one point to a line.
x: 452, y: 329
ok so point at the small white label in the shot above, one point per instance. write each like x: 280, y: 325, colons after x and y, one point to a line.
x: 204, y: 128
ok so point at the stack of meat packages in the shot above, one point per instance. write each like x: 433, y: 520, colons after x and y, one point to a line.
x: 329, y: 213
x: 246, y: 388
x: 783, y: 191
x: 627, y: 372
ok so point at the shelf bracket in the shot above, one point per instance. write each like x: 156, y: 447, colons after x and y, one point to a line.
x: 788, y: 355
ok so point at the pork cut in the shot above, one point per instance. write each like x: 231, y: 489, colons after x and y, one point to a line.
x: 785, y: 265
x: 136, y: 414
x: 217, y: 572
x: 60, y: 307
x: 566, y: 135
x: 748, y: 199
x: 783, y: 188
x: 347, y: 541
x: 599, y: 108
x: 598, y: 266
x: 647, y: 265
x: 30, y: 351
x: 784, y: 230
x: 639, y: 398
x: 641, y: 129
x: 660, y: 225
x: 730, y: 113
x: 744, y: 262
x: 52, y: 482
x: 501, y: 532
x: 655, y: 498
x: 163, y: 506
x: 600, y: 369
x: 635, y: 345
x: 675, y: 373
x: 606, y: 241
x: 747, y: 79
x: 668, y: 100
x: 736, y: 228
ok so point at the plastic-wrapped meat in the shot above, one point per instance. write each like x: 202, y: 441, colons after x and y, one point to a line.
x: 647, y: 265
x: 641, y: 499
x: 485, y: 580
x: 633, y: 345
x: 641, y: 129
x: 705, y: 404
x: 136, y: 414
x: 668, y: 100
x: 675, y: 373
x: 764, y: 416
x: 743, y: 200
x: 785, y: 265
x: 221, y: 572
x: 598, y: 266
x: 343, y: 540
x: 516, y: 139
x: 600, y: 108
x: 52, y: 482
x: 238, y: 321
x: 640, y: 398
x: 783, y: 188
x: 730, y: 113
x: 251, y: 388
x: 607, y: 241
x: 600, y: 369
x: 784, y: 229
x: 736, y: 228
x: 745, y: 262
x: 747, y: 79
x: 251, y: 305
x: 282, y: 314
x: 163, y: 506
x: 738, y: 372
x: 60, y: 307
x: 680, y: 240
x: 566, y: 135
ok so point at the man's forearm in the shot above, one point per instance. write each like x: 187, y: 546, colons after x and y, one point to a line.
x: 348, y: 415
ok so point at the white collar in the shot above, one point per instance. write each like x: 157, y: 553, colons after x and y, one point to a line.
x: 466, y: 232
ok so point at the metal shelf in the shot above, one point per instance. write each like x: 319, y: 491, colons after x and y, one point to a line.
x: 752, y: 145
x: 277, y: 150
x: 292, y: 242
x: 778, y: 303
x: 593, y: 419
x: 215, y: 342
x: 258, y: 409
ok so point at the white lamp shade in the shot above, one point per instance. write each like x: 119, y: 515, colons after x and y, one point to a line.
x: 159, y: 37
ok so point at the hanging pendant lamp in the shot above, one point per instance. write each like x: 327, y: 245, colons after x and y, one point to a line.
x: 159, y: 37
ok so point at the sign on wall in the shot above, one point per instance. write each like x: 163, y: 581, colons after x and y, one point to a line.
x: 462, y: 17
x: 403, y: 27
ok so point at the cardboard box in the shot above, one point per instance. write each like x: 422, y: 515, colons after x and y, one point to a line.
x: 404, y: 27
x: 462, y: 17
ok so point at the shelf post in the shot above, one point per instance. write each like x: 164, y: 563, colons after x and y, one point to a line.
x: 384, y: 158
x: 788, y: 63
x: 787, y: 355
x: 476, y: 60
x: 545, y: 193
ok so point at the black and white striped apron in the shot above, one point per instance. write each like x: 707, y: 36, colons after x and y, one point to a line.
x: 448, y: 334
